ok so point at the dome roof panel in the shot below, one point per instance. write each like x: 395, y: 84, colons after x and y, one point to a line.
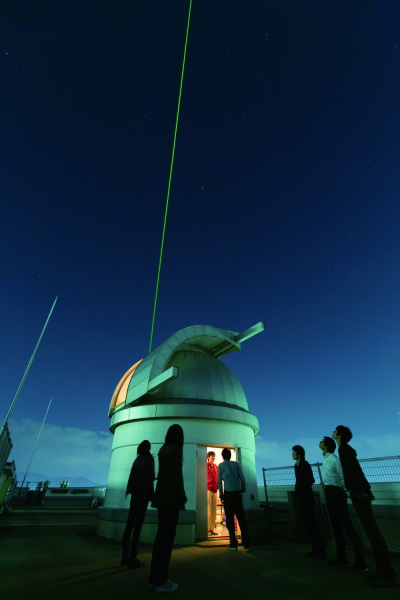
x: 202, y: 377
x: 217, y: 380
x: 119, y: 395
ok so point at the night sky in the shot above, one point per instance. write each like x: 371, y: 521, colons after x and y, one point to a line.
x: 285, y: 208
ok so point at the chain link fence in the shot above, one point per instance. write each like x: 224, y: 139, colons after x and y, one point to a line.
x: 383, y: 475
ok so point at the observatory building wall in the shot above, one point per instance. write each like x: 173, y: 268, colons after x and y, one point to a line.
x: 199, y: 435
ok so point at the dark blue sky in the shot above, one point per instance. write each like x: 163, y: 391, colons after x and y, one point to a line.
x: 284, y: 206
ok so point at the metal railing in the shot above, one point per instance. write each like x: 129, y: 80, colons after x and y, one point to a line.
x: 383, y: 475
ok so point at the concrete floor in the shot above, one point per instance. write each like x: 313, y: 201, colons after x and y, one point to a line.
x: 50, y: 554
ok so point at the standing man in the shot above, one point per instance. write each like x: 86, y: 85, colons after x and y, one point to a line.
x: 212, y: 489
x: 305, y: 497
x: 336, y: 503
x: 231, y: 494
x: 361, y: 497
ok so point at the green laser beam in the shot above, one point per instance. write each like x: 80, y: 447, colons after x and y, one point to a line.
x: 170, y: 180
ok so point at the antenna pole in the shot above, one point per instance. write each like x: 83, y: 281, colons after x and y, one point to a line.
x: 27, y: 369
x: 34, y: 448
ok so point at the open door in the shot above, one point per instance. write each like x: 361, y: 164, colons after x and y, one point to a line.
x: 201, y: 496
x: 201, y: 493
x: 220, y: 528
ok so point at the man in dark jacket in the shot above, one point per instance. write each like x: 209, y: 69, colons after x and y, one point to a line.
x: 361, y: 497
x: 305, y: 497
x: 232, y: 485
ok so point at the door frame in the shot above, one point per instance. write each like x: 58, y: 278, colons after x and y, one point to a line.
x: 201, y: 487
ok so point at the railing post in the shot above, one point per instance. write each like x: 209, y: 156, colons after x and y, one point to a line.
x: 319, y: 465
x: 269, y: 507
x: 265, y: 486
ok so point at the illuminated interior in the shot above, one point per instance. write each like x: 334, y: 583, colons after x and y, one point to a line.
x: 220, y: 523
x: 119, y: 396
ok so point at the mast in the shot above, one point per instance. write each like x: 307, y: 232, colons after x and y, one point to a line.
x: 34, y: 447
x: 27, y: 370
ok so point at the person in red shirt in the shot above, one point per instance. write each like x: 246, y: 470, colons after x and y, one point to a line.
x: 212, y: 489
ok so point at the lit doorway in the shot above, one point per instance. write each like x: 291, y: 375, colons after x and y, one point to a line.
x: 220, y: 529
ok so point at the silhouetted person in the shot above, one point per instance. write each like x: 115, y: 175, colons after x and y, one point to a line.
x: 140, y: 486
x: 234, y: 485
x: 212, y: 489
x: 361, y: 497
x: 305, y: 497
x: 336, y: 503
x: 169, y: 499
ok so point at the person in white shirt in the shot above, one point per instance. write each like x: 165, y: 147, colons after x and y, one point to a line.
x: 336, y: 504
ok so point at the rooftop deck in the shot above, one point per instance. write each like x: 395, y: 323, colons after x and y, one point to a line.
x: 48, y: 553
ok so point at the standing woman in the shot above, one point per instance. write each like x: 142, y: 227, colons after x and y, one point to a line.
x: 140, y: 486
x: 169, y: 499
x: 305, y: 496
